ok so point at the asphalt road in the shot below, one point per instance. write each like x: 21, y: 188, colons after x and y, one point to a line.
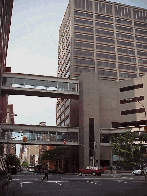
x: 28, y: 184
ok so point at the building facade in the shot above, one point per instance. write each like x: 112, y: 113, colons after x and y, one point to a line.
x: 5, y: 22
x: 102, y: 37
x: 105, y: 106
x: 101, y: 43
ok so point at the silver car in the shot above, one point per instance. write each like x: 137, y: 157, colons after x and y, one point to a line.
x: 138, y: 172
x: 31, y: 169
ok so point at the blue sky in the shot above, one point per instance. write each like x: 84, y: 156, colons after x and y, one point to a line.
x: 33, y: 49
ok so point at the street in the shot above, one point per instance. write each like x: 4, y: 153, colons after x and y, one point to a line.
x: 28, y: 184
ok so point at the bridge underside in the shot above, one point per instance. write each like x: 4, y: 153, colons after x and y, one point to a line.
x: 52, y: 143
x: 39, y: 93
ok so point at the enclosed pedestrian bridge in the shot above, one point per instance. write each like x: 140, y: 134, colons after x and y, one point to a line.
x: 38, y: 85
x: 38, y: 135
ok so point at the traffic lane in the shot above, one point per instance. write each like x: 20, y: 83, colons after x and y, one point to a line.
x: 31, y: 176
x: 77, y: 188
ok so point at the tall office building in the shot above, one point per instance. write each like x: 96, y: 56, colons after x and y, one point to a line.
x: 5, y: 22
x: 104, y: 37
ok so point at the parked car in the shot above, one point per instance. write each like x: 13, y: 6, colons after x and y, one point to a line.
x: 18, y: 169
x: 60, y: 171
x: 31, y: 168
x: 138, y: 172
x: 38, y: 169
x: 5, y: 179
x: 13, y: 170
x: 91, y: 170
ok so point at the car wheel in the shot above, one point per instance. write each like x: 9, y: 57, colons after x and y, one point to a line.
x: 93, y: 173
x: 80, y: 173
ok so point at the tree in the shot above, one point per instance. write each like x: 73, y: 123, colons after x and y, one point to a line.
x: 25, y: 164
x: 124, y: 146
x: 13, y: 160
x: 55, y: 154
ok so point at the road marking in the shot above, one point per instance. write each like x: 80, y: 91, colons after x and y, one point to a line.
x: 92, y: 179
x: 15, y: 179
x: 73, y: 190
x: 55, y: 181
x: 26, y: 182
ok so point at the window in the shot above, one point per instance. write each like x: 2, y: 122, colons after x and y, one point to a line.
x: 124, y: 28
x: 84, y: 36
x: 107, y: 73
x: 123, y: 21
x: 84, y: 53
x: 134, y: 99
x: 79, y: 28
x: 127, y: 75
x: 83, y: 14
x: 104, y: 32
x: 83, y: 21
x: 104, y: 39
x: 101, y: 17
x: 84, y: 44
x: 105, y: 47
x: 127, y: 36
x: 128, y: 88
x: 105, y: 25
x: 133, y: 111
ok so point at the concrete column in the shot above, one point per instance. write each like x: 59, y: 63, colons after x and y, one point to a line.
x: 88, y: 108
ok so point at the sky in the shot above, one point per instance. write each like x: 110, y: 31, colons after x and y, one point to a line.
x: 33, y: 49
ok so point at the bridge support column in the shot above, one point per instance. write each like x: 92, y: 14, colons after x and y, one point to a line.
x: 89, y: 125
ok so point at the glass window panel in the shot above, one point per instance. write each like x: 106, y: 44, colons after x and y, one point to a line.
x: 63, y: 86
x: 30, y: 82
x: 72, y: 87
x: 52, y: 85
x: 7, y: 81
x: 19, y: 81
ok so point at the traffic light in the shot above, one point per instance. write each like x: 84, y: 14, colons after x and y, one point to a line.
x: 24, y: 139
x: 64, y: 142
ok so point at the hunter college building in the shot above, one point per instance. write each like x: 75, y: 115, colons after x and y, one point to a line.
x: 104, y: 45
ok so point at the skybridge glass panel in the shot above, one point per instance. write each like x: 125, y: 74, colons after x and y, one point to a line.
x: 63, y: 86
x: 19, y: 82
x: 30, y: 83
x: 72, y: 87
x: 62, y: 137
x: 52, y: 85
x: 7, y: 81
x: 73, y: 137
x: 41, y: 84
x: 52, y: 136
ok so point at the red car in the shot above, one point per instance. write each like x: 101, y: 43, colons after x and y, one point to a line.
x: 91, y: 170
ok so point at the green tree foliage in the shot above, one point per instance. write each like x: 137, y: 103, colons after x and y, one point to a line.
x: 129, y: 153
x: 55, y: 154
x: 13, y: 160
x: 25, y: 164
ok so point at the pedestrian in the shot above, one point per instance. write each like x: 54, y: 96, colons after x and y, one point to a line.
x: 46, y: 174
